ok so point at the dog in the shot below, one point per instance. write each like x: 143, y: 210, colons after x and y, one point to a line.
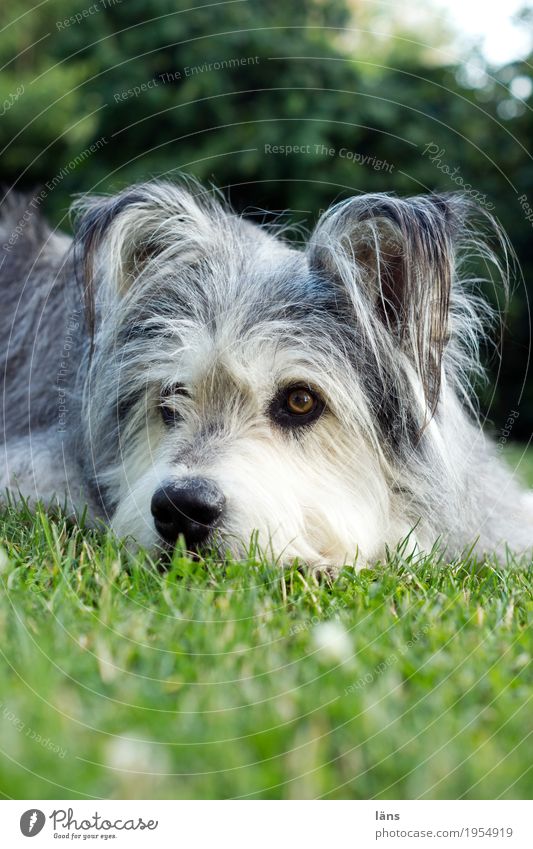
x: 185, y: 374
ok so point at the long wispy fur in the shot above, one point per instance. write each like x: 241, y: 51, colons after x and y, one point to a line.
x: 169, y: 288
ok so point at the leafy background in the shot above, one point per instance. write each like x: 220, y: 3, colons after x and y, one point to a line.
x: 339, y: 73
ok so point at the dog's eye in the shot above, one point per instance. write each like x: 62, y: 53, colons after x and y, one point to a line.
x: 169, y: 411
x: 169, y: 414
x: 295, y: 406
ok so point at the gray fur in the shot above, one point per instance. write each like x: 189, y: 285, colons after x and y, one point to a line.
x: 164, y: 285
x: 39, y: 357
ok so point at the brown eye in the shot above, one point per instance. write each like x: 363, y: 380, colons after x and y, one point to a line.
x: 300, y: 402
x: 296, y: 406
x: 169, y: 412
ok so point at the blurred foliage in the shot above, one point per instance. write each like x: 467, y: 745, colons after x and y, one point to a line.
x: 334, y: 73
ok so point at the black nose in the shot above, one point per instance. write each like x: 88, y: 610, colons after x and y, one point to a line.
x: 191, y: 507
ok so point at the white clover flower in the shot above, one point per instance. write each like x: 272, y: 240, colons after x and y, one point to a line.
x: 332, y: 641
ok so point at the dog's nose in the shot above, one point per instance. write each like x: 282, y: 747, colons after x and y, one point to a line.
x: 191, y: 507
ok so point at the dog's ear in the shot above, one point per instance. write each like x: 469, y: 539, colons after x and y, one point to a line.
x: 395, y: 260
x: 116, y: 237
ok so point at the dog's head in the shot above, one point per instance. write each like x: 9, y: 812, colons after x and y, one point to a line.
x: 239, y: 386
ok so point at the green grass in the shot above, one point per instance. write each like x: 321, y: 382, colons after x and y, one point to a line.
x: 520, y: 459
x: 411, y: 680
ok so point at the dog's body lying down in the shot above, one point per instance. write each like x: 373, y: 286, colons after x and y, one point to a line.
x: 184, y: 372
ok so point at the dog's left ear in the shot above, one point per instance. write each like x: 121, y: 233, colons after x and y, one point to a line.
x: 395, y: 260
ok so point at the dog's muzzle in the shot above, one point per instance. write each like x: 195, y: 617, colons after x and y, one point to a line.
x: 192, y: 507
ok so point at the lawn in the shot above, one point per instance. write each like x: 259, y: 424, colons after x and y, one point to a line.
x: 410, y: 680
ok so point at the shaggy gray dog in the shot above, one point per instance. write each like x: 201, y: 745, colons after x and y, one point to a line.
x: 184, y: 372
